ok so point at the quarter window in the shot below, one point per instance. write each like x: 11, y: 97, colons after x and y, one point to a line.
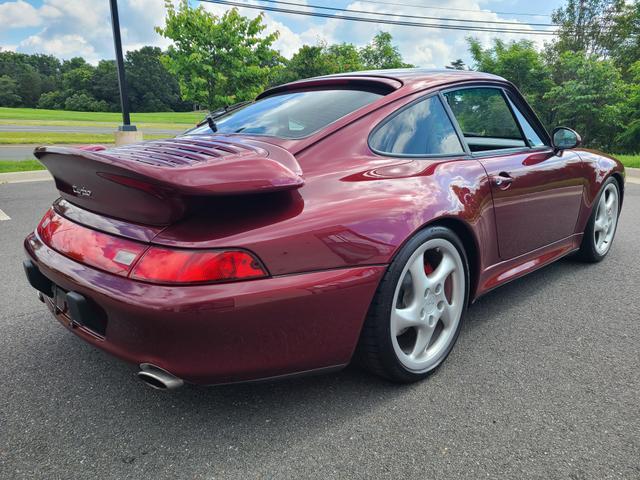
x: 420, y: 129
x: 533, y: 138
x: 485, y: 119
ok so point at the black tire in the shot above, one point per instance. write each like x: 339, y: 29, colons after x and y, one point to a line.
x: 588, y: 252
x: 375, y: 350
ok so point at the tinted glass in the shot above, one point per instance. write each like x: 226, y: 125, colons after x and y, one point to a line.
x: 421, y: 129
x: 485, y: 119
x: 292, y: 115
x: 533, y: 138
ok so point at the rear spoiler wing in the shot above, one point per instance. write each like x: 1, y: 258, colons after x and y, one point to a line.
x: 149, y: 182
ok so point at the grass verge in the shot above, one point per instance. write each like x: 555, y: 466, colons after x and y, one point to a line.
x: 632, y: 161
x: 37, y: 138
x: 7, y: 166
x: 178, y: 127
x: 183, y: 118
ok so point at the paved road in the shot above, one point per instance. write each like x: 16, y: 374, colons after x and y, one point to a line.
x: 16, y: 152
x: 83, y: 129
x: 543, y: 384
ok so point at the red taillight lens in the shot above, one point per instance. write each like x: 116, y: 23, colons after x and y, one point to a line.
x: 163, y: 265
x: 106, y: 252
x: 139, y: 261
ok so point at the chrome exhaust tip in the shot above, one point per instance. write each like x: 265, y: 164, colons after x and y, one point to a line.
x: 158, y: 378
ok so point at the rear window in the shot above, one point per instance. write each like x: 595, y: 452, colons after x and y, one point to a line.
x: 292, y: 114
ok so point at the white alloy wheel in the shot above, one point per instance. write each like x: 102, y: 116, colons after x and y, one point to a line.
x: 606, y: 219
x: 427, y: 305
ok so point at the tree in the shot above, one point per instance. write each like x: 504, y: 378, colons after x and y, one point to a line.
x: 152, y: 88
x: 380, y: 53
x: 217, y: 60
x: 520, y: 63
x: 48, y: 67
x: 104, y: 84
x: 457, y: 65
x: 9, y: 92
x: 72, y: 64
x: 83, y: 102
x: 626, y: 52
x: 591, y: 99
x: 314, y: 61
x: 79, y: 79
x: 52, y: 100
x: 629, y: 138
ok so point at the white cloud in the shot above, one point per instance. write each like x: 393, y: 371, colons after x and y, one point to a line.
x: 61, y: 45
x: 423, y: 47
x: 20, y: 14
x: 77, y: 27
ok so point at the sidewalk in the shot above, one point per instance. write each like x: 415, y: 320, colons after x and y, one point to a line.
x: 633, y: 175
x: 21, y: 177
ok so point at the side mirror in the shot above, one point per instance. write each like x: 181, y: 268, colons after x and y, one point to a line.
x: 564, y: 138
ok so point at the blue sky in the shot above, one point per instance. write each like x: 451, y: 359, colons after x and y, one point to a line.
x: 68, y: 28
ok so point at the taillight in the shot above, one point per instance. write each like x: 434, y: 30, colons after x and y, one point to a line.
x: 106, y: 252
x: 128, y: 258
x: 164, y: 265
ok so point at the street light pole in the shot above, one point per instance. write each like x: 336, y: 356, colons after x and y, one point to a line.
x: 122, y: 83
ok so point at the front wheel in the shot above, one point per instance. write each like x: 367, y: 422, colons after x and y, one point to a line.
x: 601, y: 228
x: 416, y: 315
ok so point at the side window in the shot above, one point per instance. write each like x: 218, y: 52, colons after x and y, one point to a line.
x: 485, y: 119
x: 533, y: 138
x: 421, y: 129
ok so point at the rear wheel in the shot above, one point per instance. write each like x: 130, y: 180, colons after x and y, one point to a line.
x: 416, y: 315
x: 601, y: 228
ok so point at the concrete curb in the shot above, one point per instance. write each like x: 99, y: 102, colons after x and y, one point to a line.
x: 21, y: 177
x: 632, y: 172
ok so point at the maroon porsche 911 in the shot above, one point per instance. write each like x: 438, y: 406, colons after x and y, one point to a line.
x: 352, y: 216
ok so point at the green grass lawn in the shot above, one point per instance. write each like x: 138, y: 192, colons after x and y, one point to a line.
x: 49, y: 138
x: 18, y: 115
x: 629, y: 160
x: 17, y: 166
x: 178, y: 127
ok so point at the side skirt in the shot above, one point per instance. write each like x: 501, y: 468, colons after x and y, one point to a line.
x: 504, y: 272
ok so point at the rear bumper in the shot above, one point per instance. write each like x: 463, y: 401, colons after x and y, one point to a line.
x: 221, y: 333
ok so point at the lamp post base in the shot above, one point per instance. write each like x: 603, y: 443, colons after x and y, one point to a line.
x: 125, y: 137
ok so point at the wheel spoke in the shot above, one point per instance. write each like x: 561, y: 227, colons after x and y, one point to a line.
x: 419, y: 279
x: 422, y: 341
x: 403, y: 318
x: 610, y: 201
x: 446, y: 267
x: 600, y: 225
x: 602, y: 205
x: 447, y: 314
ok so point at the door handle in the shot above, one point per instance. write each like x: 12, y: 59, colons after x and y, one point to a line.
x: 502, y: 180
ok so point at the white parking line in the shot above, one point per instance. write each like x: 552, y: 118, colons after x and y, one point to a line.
x: 4, y: 216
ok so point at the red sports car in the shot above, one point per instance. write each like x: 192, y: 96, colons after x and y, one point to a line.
x: 340, y: 217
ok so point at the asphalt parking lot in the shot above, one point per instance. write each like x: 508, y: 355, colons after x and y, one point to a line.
x: 544, y: 383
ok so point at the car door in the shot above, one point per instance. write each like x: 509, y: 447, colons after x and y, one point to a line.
x: 536, y: 191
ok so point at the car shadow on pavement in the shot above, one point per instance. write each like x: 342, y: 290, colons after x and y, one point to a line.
x: 85, y: 394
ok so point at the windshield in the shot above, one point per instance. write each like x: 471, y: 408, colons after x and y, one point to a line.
x: 292, y: 114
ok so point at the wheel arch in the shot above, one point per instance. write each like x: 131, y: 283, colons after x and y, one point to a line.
x: 469, y: 241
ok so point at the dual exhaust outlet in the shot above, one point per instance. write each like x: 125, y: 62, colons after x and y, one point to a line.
x: 158, y: 378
